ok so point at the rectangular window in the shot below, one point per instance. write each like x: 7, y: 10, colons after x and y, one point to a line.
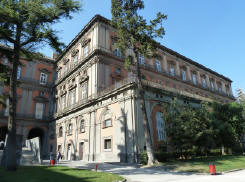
x: 107, y: 144
x: 73, y: 97
x: 66, y: 67
x: 219, y: 88
x: 6, y: 110
x: 171, y: 70
x: 117, y: 52
x: 43, y: 78
x: 84, y: 91
x: 39, y: 111
x: 60, y: 131
x: 194, y: 78
x: 158, y: 65
x: 63, y: 102
x: 75, y: 59
x: 82, y: 127
x: 85, y: 50
x: 107, y: 123
x: 141, y: 59
x: 212, y: 85
x: 204, y: 82
x: 18, y: 72
x: 183, y: 73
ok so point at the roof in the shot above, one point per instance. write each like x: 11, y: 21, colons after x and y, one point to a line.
x: 99, y: 18
x: 9, y: 48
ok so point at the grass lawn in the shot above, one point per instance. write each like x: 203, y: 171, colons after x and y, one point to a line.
x: 222, y: 164
x: 55, y: 174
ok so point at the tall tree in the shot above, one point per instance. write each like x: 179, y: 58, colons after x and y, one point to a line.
x: 134, y: 33
x: 25, y: 24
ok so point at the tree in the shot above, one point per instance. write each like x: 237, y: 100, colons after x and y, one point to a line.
x: 189, y: 128
x: 25, y: 24
x: 134, y: 33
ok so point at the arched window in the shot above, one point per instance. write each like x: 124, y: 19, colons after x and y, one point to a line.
x: 160, y: 126
x: 60, y: 131
x: 70, y: 129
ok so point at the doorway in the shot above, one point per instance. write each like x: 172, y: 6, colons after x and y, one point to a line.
x: 69, y: 152
x: 81, y: 150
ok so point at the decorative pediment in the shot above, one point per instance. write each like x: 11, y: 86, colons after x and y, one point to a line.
x: 63, y: 92
x: 40, y: 99
x: 183, y: 67
x: 83, y: 78
x: 74, y: 52
x: 66, y: 60
x: 85, y: 42
x: 72, y: 85
x: 44, y: 70
x: 58, y: 68
x: 172, y: 62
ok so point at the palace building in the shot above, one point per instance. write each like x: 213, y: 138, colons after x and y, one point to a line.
x: 34, y: 99
x: 85, y: 104
x: 98, y: 117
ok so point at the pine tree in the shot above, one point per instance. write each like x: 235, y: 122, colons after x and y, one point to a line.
x: 134, y: 33
x: 25, y: 25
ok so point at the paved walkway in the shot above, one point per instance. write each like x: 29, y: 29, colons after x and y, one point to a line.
x: 156, y: 174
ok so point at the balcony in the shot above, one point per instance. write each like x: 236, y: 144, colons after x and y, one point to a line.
x: 34, y: 82
x: 27, y: 116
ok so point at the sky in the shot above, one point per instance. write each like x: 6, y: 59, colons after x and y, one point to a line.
x: 210, y: 32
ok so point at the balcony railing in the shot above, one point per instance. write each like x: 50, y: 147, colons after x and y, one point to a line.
x: 27, y: 116
x: 34, y: 81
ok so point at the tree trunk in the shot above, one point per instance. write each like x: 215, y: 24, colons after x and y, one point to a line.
x: 11, y: 163
x: 147, y: 134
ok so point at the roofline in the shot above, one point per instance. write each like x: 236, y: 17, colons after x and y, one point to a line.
x: 99, y: 18
x: 11, y: 49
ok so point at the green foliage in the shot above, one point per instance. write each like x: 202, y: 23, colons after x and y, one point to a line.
x: 31, y: 21
x: 200, y: 129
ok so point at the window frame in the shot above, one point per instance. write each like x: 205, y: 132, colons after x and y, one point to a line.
x: 194, y: 81
x: 82, y: 126
x: 70, y: 128
x: 36, y: 111
x: 43, y: 79
x: 84, y: 91
x: 105, y: 147
x: 183, y: 75
x: 60, y: 131
x: 160, y: 127
x: 141, y: 58
x: 171, y: 70
x: 85, y: 50
x: 104, y: 123
x: 204, y: 82
x: 158, y: 65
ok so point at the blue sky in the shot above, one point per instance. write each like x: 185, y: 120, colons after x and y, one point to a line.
x: 211, y: 32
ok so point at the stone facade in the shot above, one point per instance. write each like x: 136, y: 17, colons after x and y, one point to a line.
x: 34, y: 99
x: 98, y: 117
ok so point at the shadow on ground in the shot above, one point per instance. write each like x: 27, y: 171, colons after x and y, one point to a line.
x: 52, y: 174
